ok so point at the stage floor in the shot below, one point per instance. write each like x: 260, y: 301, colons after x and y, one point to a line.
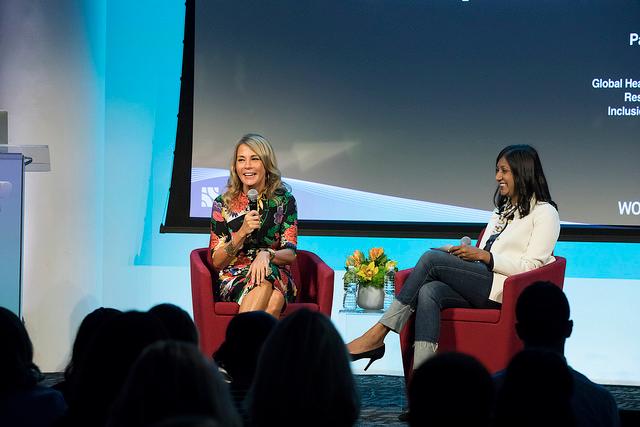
x: 383, y: 399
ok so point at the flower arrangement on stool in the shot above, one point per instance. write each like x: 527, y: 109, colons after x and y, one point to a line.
x: 370, y: 273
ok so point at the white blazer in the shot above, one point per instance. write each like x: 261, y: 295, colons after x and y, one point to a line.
x: 525, y: 244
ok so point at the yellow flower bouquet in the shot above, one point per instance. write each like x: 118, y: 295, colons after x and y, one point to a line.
x: 368, y: 270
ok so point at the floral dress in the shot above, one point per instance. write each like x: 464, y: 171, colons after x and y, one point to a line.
x: 278, y: 230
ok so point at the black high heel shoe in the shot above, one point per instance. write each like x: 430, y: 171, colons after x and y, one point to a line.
x: 372, y: 355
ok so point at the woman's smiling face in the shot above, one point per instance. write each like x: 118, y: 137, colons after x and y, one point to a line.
x: 250, y: 169
x: 506, y: 182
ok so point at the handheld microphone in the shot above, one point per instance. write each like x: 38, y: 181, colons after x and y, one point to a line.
x: 465, y: 241
x: 252, y: 195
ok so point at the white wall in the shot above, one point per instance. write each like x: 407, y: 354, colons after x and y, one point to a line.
x: 51, y: 82
x: 98, y: 81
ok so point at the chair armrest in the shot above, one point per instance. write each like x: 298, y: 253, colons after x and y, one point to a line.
x: 201, y: 287
x: 325, y: 279
x: 317, y: 274
x: 515, y: 284
x: 552, y: 272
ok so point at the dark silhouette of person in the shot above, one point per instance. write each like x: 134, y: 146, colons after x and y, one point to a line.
x: 536, y: 391
x: 102, y: 373
x: 451, y: 389
x: 188, y: 421
x: 23, y: 403
x: 170, y: 379
x: 543, y: 322
x: 303, y: 376
x: 86, y: 332
x: 238, y: 354
x: 177, y: 322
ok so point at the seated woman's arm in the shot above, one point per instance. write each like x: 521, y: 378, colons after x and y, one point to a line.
x: 546, y: 229
x: 289, y: 237
x: 286, y: 254
x: 223, y: 244
x: 224, y: 248
x: 471, y: 253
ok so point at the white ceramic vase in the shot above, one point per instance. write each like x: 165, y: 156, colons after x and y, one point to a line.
x: 370, y: 298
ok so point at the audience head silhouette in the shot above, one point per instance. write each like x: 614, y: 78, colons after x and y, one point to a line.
x: 303, y: 376
x: 115, y: 348
x: 542, y: 317
x: 171, y: 379
x: 536, y: 391
x: 86, y: 332
x: 177, y: 322
x: 189, y: 421
x: 22, y: 401
x: 17, y: 370
x: 244, y: 338
x: 451, y: 389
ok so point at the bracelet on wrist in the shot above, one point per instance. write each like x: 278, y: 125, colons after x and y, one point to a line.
x: 272, y: 253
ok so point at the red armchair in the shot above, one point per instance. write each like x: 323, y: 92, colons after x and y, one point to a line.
x: 486, y: 334
x: 313, y: 279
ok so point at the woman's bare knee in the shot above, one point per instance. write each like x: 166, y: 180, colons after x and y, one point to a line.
x: 257, y: 298
x: 276, y: 302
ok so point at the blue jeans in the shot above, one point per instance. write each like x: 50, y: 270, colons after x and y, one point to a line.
x: 441, y: 280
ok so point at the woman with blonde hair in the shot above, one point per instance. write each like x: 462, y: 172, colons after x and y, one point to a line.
x: 252, y: 248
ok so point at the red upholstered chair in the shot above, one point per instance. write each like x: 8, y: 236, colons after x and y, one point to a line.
x: 313, y: 278
x: 486, y: 334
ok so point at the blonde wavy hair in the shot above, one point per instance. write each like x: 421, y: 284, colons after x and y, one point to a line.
x: 261, y: 146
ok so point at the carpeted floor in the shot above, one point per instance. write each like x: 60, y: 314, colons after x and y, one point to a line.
x: 383, y: 399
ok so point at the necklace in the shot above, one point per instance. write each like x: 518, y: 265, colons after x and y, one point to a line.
x: 505, y: 216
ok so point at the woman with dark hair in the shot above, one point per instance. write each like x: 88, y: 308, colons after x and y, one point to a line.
x: 252, y: 247
x: 102, y: 372
x: 303, y: 376
x: 177, y: 322
x: 519, y: 237
x: 529, y: 183
x: 86, y: 332
x: 22, y: 401
x: 238, y: 354
x: 451, y: 389
x: 172, y: 379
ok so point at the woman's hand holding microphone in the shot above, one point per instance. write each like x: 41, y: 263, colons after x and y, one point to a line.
x: 466, y: 251
x: 251, y: 222
x: 259, y: 268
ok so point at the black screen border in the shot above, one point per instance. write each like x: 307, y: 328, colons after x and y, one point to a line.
x: 178, y: 220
